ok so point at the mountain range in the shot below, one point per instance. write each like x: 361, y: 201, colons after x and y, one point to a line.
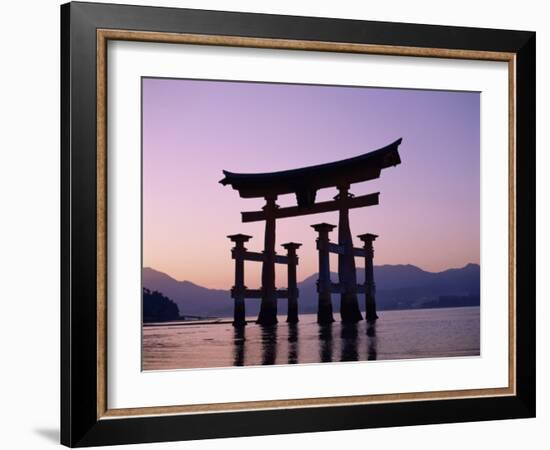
x: 397, y: 287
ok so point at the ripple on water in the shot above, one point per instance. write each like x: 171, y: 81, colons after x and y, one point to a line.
x: 426, y: 333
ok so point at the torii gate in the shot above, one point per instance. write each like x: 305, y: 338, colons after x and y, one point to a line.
x: 304, y: 183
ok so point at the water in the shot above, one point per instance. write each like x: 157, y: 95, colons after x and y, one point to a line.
x: 424, y: 333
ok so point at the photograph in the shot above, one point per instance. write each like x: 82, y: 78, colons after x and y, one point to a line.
x: 305, y: 224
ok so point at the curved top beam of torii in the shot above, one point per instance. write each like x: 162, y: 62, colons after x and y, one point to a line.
x: 305, y: 181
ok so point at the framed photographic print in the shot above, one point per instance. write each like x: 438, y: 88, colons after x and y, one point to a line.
x: 276, y: 224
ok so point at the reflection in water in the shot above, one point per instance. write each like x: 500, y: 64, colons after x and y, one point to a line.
x: 371, y: 341
x: 349, y: 335
x: 444, y: 332
x: 325, y: 343
x: 292, y: 343
x: 269, y: 344
x: 349, y: 342
x: 238, y: 346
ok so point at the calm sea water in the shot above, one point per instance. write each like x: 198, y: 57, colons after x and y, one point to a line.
x: 425, y: 333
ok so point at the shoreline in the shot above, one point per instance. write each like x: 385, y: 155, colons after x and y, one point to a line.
x: 252, y: 320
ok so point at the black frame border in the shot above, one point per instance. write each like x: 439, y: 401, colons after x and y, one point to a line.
x: 79, y: 423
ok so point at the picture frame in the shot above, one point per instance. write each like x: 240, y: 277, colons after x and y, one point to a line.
x: 86, y: 418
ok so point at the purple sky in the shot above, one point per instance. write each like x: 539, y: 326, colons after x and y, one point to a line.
x: 429, y: 205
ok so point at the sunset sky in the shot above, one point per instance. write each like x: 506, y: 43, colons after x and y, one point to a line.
x: 429, y: 204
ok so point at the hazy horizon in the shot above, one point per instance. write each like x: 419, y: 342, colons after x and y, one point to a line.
x: 428, y: 214
x: 334, y: 270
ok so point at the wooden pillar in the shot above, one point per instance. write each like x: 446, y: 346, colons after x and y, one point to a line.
x: 324, y: 311
x: 238, y: 290
x: 370, y: 286
x: 268, y: 307
x: 349, y: 306
x: 292, y: 284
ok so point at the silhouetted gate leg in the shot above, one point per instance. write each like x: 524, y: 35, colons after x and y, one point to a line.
x: 370, y: 286
x: 291, y: 248
x: 268, y: 308
x: 349, y: 306
x: 238, y: 291
x: 324, y: 311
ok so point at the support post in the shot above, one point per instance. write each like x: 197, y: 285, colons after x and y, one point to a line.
x: 268, y: 307
x: 349, y: 306
x: 291, y: 247
x: 370, y: 286
x: 324, y: 311
x: 238, y: 290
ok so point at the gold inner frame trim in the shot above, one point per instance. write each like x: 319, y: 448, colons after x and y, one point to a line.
x: 104, y: 35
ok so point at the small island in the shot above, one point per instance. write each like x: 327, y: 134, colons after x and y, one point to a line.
x: 158, y: 308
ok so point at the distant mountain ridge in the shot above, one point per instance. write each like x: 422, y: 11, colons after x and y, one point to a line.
x: 397, y: 287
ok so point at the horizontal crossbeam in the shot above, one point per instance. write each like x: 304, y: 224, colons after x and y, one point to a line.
x: 257, y: 293
x: 339, y: 250
x: 259, y: 257
x: 317, y: 208
x: 336, y: 288
x: 335, y: 248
